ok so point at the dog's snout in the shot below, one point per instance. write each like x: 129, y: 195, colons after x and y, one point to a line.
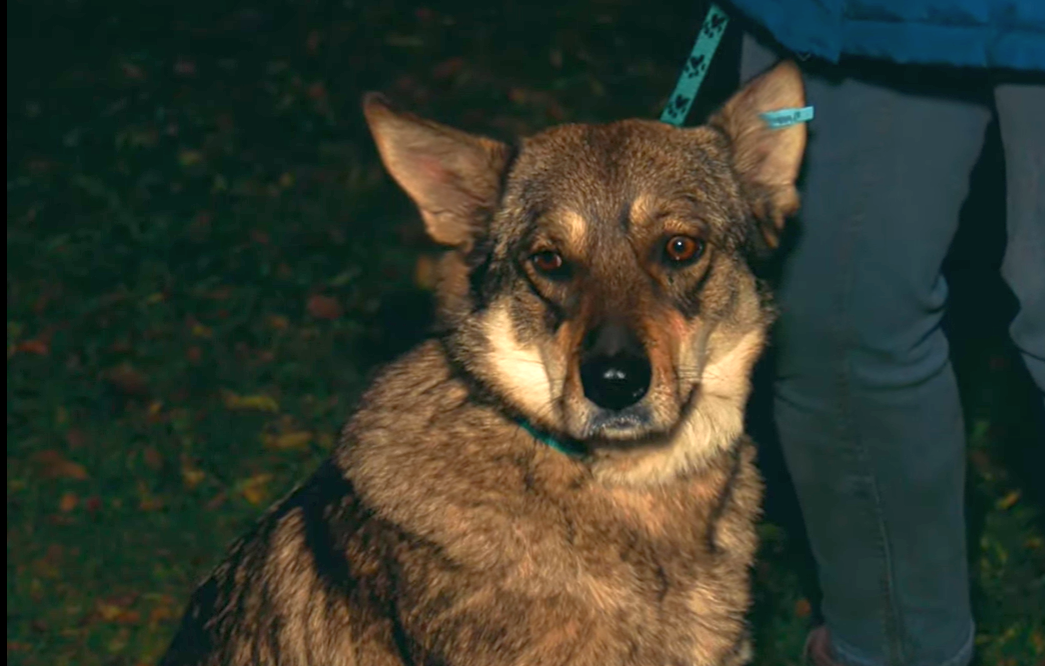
x: 615, y: 370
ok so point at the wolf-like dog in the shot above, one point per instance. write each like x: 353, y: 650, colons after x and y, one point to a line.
x: 559, y: 476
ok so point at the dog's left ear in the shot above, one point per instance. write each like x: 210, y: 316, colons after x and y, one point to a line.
x: 767, y: 160
x: 453, y: 177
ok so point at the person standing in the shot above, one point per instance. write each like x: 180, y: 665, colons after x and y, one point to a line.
x: 865, y: 397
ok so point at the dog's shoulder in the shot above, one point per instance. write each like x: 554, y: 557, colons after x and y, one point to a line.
x: 257, y: 601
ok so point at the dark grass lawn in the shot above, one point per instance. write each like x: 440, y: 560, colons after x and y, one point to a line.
x: 205, y: 260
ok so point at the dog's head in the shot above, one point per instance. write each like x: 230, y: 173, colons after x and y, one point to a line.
x: 598, y: 280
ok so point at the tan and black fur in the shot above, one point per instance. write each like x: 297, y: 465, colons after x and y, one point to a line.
x: 441, y: 531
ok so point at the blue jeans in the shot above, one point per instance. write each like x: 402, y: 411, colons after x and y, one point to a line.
x: 866, y: 401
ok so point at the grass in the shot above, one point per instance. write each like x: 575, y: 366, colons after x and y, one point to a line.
x: 205, y: 260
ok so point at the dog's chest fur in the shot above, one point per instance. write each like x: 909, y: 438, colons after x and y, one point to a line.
x: 440, y: 533
x: 559, y: 561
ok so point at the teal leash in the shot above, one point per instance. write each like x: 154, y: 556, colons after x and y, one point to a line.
x: 696, y: 68
x: 551, y: 442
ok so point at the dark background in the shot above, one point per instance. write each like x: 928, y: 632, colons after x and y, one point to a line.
x: 205, y: 260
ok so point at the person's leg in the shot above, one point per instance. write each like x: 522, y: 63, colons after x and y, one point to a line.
x: 1020, y: 111
x: 866, y: 401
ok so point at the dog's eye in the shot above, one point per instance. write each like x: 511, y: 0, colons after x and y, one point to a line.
x: 548, y: 262
x: 683, y: 249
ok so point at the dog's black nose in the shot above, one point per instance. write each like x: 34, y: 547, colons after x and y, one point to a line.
x: 615, y: 371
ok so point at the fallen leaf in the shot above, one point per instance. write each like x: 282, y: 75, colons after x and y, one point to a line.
x: 448, y: 68
x: 317, y: 91
x: 150, y: 502
x: 261, y: 403
x: 109, y: 612
x: 189, y: 158
x: 201, y: 225
x: 194, y: 354
x: 41, y: 303
x: 1006, y: 502
x: 555, y: 58
x: 93, y: 504
x: 68, y: 502
x: 53, y: 465
x: 75, y: 438
x: 287, y: 441
x: 184, y: 67
x: 161, y: 613
x: 119, y: 641
x: 404, y: 41
x: 154, y: 298
x: 278, y: 322
x: 253, y: 489
x: 132, y: 71
x: 36, y: 347
x: 127, y: 379
x: 1037, y: 639
x: 201, y: 331
x: 153, y: 458
x: 518, y: 95
x: 312, y: 42
x: 129, y: 617
x: 803, y: 608
x: 115, y: 609
x: 192, y: 477
x: 220, y: 294
x: 323, y: 307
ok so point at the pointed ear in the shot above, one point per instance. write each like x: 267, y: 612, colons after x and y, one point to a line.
x: 453, y: 177
x: 766, y: 159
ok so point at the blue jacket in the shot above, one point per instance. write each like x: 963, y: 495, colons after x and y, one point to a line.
x: 972, y: 33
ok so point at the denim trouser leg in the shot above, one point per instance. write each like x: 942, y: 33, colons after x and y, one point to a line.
x: 866, y: 401
x: 1020, y: 111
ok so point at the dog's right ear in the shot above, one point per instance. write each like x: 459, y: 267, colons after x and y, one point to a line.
x: 453, y: 177
x: 766, y: 159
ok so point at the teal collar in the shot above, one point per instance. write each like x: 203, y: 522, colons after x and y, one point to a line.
x: 570, y: 449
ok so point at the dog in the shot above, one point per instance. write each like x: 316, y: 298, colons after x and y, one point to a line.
x: 560, y: 475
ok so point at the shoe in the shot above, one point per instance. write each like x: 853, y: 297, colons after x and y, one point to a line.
x: 817, y: 651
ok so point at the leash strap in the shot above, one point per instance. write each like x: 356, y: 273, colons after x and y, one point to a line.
x: 550, y: 441
x: 696, y: 67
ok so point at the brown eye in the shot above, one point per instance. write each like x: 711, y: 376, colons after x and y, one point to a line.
x: 683, y: 249
x: 548, y: 262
